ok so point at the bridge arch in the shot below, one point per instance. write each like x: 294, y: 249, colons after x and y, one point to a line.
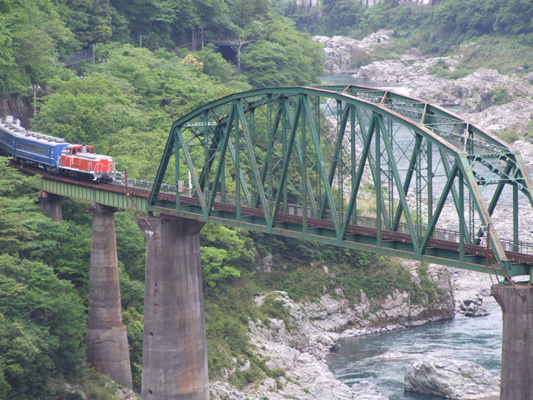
x: 354, y: 166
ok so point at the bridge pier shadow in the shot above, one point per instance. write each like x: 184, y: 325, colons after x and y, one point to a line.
x: 517, y: 344
x: 174, y: 347
x: 107, y: 340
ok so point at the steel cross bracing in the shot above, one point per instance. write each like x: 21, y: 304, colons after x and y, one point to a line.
x: 342, y: 155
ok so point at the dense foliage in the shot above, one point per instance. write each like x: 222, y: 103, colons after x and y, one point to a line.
x: 282, y: 49
x: 42, y: 317
x: 35, y: 35
x: 432, y: 29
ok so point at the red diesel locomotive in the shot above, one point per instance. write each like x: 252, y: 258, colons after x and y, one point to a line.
x: 82, y: 159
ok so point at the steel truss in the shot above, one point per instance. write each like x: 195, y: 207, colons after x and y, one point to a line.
x: 316, y: 163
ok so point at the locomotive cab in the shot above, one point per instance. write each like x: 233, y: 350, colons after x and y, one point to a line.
x: 77, y: 149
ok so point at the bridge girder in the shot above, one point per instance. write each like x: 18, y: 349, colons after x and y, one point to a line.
x: 345, y: 154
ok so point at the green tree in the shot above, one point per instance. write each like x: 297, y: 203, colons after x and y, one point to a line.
x: 224, y: 252
x: 285, y: 57
x: 43, y: 324
x: 6, y: 55
x: 341, y: 17
x: 214, y: 64
x: 30, y: 34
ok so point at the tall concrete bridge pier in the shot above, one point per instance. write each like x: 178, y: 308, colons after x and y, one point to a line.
x: 174, y: 347
x: 517, y: 344
x: 107, y: 340
x: 51, y: 206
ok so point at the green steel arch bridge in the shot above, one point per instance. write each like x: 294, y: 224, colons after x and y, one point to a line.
x: 352, y: 166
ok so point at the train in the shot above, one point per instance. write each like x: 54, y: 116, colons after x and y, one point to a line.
x: 53, y: 154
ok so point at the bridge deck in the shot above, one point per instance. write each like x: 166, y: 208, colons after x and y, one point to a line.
x: 358, y: 237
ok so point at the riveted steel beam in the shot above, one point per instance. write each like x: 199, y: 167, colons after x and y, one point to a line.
x: 290, y: 147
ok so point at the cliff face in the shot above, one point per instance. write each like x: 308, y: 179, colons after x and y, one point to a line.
x: 396, y: 311
x: 19, y: 107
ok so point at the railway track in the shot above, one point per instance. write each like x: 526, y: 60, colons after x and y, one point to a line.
x: 312, y: 223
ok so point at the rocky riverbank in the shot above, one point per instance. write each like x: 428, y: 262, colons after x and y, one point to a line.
x: 297, y: 349
x: 487, y: 98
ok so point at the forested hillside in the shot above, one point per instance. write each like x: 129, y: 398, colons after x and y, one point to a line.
x: 124, y: 104
x: 430, y: 29
x: 35, y: 35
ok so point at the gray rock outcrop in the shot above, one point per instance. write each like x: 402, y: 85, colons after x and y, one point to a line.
x: 476, y: 94
x: 342, y: 52
x: 396, y: 311
x: 298, y: 346
x: 494, y: 101
x: 452, y: 379
x: 299, y: 352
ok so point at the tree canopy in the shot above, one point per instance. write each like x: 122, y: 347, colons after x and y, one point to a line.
x: 434, y: 28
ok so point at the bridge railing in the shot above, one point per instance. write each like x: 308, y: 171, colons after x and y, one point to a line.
x: 367, y: 222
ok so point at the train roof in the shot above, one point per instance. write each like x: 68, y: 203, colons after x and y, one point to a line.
x: 12, y: 126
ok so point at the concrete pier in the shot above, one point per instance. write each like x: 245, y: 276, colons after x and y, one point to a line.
x: 107, y: 340
x: 51, y: 206
x: 517, y: 346
x: 174, y: 348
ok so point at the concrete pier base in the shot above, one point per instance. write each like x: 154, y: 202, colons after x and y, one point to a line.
x: 107, y: 341
x: 174, y: 348
x: 517, y: 346
x: 51, y: 206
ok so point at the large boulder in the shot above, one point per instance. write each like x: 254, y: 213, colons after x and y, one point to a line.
x: 452, y: 379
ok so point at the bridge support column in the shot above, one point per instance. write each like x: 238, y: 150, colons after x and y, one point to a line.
x: 51, y: 206
x: 174, y: 348
x: 517, y: 346
x: 107, y: 340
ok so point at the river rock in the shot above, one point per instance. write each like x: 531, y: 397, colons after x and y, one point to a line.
x: 525, y: 149
x: 395, y: 311
x: 299, y: 351
x: 314, y: 329
x: 452, y: 379
x: 340, y: 51
x: 478, y: 95
x: 473, y: 307
x: 513, y: 116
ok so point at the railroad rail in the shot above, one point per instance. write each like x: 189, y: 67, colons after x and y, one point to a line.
x: 284, y: 218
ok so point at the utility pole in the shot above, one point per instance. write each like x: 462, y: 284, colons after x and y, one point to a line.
x: 34, y: 88
x: 202, y: 28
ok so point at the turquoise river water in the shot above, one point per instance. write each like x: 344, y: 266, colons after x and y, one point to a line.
x: 382, y: 358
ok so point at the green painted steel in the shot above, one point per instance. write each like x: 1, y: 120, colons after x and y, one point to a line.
x: 93, y: 194
x: 342, y: 152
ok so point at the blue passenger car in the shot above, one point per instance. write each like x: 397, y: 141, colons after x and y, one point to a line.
x: 30, y: 147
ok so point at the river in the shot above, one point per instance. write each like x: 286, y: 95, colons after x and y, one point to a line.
x: 381, y: 359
